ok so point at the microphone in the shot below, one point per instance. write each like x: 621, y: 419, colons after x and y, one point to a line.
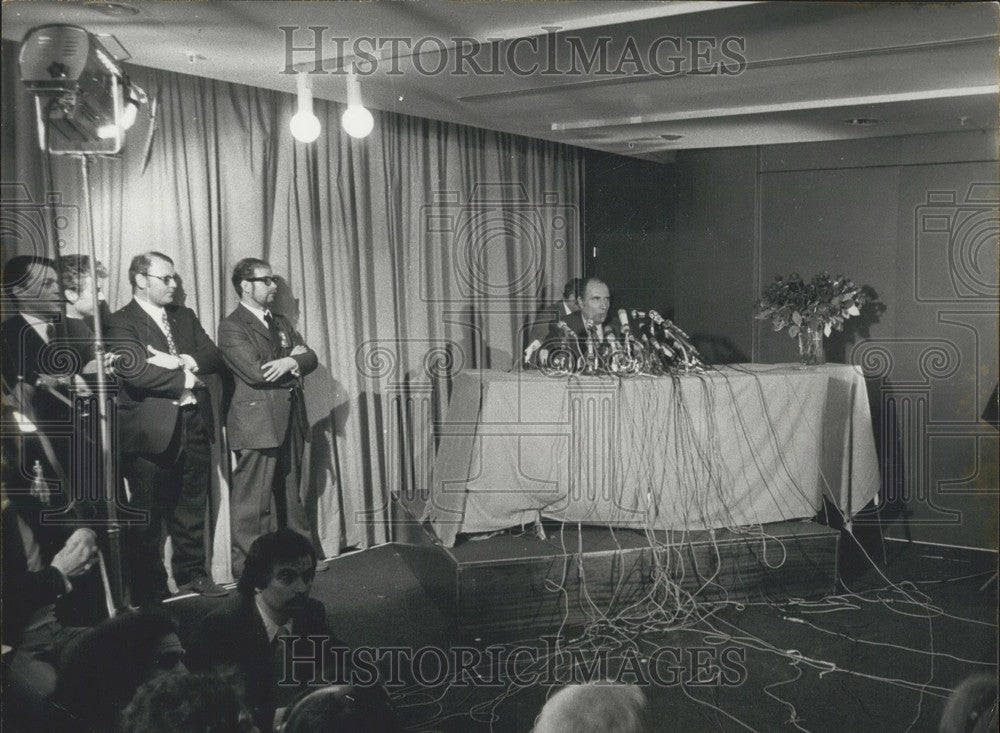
x: 530, y: 351
x: 623, y: 319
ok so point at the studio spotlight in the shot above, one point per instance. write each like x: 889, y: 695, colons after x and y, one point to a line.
x: 304, y: 124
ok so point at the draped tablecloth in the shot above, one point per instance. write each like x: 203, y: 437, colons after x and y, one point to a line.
x: 730, y: 447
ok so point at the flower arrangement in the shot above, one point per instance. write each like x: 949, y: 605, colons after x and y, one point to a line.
x: 820, y: 305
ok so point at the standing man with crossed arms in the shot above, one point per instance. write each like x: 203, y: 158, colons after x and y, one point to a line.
x: 165, y: 427
x: 266, y: 422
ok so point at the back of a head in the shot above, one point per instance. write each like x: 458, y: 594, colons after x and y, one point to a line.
x: 182, y: 702
x: 341, y: 708
x: 594, y: 708
x: 102, y: 668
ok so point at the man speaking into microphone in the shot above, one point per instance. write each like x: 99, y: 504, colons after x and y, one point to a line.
x: 590, y: 324
x: 266, y: 421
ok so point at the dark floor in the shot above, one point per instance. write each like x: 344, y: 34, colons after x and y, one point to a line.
x: 881, y: 655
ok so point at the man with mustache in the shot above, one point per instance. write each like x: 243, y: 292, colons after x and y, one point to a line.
x: 258, y: 631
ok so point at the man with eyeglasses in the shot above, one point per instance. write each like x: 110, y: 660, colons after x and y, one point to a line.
x: 165, y: 428
x: 266, y: 421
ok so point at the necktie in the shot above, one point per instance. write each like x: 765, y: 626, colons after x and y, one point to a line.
x: 50, y: 332
x: 170, y: 335
x: 278, y: 654
x: 275, y: 333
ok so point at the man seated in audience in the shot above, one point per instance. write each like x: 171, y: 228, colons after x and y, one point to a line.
x: 101, y: 669
x: 594, y: 708
x: 260, y: 630
x: 181, y: 702
x: 40, y: 564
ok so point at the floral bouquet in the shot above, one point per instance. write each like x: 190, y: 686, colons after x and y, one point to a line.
x: 810, y: 310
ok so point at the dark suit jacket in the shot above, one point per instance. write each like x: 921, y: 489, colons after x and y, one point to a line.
x: 543, y: 320
x: 22, y: 349
x: 148, y: 395
x: 25, y: 591
x: 234, y: 635
x: 575, y: 323
x: 258, y: 414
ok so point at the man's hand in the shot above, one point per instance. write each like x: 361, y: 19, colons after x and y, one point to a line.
x: 275, y: 370
x: 78, y: 555
x: 163, y: 359
x: 299, y: 349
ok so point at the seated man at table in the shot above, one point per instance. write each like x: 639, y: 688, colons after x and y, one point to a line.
x: 589, y: 324
x: 544, y: 319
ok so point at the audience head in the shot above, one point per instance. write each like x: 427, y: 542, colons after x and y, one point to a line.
x: 181, y: 702
x: 102, y: 669
x: 77, y: 285
x: 32, y: 282
x: 254, y: 282
x: 595, y: 300
x: 341, y: 708
x: 572, y: 291
x: 594, y: 708
x: 279, y: 568
x: 153, y: 278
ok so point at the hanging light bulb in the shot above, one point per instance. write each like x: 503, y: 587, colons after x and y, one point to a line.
x: 356, y: 120
x: 304, y: 124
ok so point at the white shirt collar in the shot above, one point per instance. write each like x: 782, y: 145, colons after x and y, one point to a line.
x: 270, y: 626
x: 259, y: 312
x: 155, y: 311
x: 41, y: 325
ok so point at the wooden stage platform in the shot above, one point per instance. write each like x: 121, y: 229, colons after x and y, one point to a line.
x: 516, y: 582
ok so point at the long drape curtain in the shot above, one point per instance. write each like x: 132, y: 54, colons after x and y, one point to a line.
x: 406, y: 257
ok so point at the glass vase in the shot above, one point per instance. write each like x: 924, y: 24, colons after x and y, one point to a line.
x: 811, y: 346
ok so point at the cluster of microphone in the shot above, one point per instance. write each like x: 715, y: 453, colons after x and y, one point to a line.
x: 647, y: 344
x: 663, y: 338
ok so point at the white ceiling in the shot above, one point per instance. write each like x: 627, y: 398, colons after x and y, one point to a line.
x: 809, y: 67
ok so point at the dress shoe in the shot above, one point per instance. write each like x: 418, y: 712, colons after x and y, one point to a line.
x: 204, y: 586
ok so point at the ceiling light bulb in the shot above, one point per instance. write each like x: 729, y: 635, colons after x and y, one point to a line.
x: 357, y: 121
x: 304, y: 124
x: 305, y: 127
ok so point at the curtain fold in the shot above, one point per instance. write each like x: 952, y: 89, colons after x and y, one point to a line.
x: 407, y: 257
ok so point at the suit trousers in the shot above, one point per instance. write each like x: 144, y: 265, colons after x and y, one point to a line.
x: 264, y: 495
x: 173, y: 488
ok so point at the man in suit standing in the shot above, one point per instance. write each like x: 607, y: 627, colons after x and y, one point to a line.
x: 266, y: 422
x: 165, y: 427
x: 36, y: 380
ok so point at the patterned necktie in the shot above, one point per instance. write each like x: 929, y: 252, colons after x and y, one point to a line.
x: 170, y: 335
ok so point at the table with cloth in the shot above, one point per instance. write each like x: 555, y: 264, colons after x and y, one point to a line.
x: 731, y: 446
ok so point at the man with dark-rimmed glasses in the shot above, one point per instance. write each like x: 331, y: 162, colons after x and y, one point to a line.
x: 165, y: 427
x: 266, y: 421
